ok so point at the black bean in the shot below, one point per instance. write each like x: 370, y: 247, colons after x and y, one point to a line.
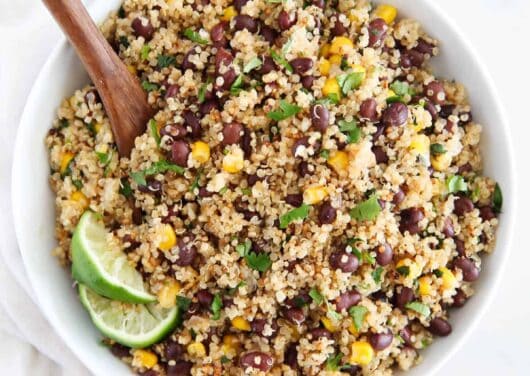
x: 179, y: 153
x: 327, y: 213
x: 440, y: 327
x: 223, y: 58
x: 301, y: 65
x: 294, y: 199
x: 142, y: 28
x: 232, y: 133
x: 228, y: 79
x: 291, y: 356
x: 268, y: 33
x: 460, y: 247
x: 465, y: 118
x: 435, y: 92
x: 150, y: 372
x: 173, y: 350
x: 404, y: 296
x: 303, y: 169
x: 295, y: 315
x: 320, y: 117
x: 463, y: 205
x: 307, y: 82
x: 180, y: 368
x: 368, y: 110
x: 239, y: 4
x: 217, y: 35
x: 171, y: 91
x: 412, y: 58
x: 301, y: 299
x: 448, y: 229
x: 303, y: 141
x: 285, y: 20
x: 192, y: 121
x: 395, y: 114
x: 338, y: 28
x: 406, y: 335
x: 381, y: 341
x: 257, y: 360
x: 242, y: 21
x: 187, y: 251
x: 246, y: 143
x: 344, y: 261
x: 258, y: 327
x: 119, y: 351
x: 487, y: 213
x: 318, y: 333
x: 377, y: 30
x: 459, y: 299
x: 384, y: 254
x: 380, y: 154
x: 208, y: 106
x: 174, y: 131
x: 447, y: 110
x: 410, y: 219
x: 268, y: 65
x: 399, y: 196
x: 205, y: 298
x: 347, y: 300
x: 425, y: 47
x: 153, y: 186
x: 252, y: 179
x: 469, y: 269
x: 137, y: 216
x: 186, y: 63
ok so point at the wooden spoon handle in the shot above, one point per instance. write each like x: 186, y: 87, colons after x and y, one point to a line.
x: 124, y: 100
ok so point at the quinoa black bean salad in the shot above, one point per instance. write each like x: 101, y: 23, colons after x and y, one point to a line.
x: 307, y: 197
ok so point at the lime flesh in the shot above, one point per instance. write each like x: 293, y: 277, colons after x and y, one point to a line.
x: 132, y: 325
x: 102, y: 269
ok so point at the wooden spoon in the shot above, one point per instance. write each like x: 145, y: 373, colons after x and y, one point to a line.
x: 124, y: 99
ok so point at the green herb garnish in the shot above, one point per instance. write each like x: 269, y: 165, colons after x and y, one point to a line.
x: 350, y: 81
x: 418, y: 307
x: 246, y: 191
x: 497, y: 198
x: 125, y: 188
x: 358, y: 313
x: 225, y: 359
x: 333, y: 362
x: 153, y: 128
x: 223, y: 190
x: 232, y: 291
x: 330, y: 99
x: 456, y: 183
x: 281, y: 60
x: 217, y: 304
x: 285, y: 111
x: 351, y: 130
x: 148, y: 86
x: 254, y: 63
x: 316, y: 296
x: 244, y: 248
x: 376, y: 274
x: 403, y: 270
x: 437, y: 149
x: 438, y: 273
x: 235, y: 88
x: 144, y: 52
x: 402, y: 89
x: 301, y: 212
x: 195, y: 184
x: 159, y: 167
x: 63, y: 123
x: 367, y: 210
x: 368, y: 258
x: 260, y: 262
x: 194, y: 36
x: 123, y: 41
x: 183, y: 304
x: 164, y: 61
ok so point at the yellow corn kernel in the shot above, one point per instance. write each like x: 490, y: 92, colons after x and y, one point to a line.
x: 231, y: 340
x: 167, y: 296
x: 97, y: 127
x: 229, y: 13
x: 196, y: 350
x: 448, y: 279
x: 200, y: 151
x: 65, y: 161
x: 324, y: 66
x: 341, y: 46
x: 352, y: 329
x: 315, y: 194
x: 390, y: 93
x: 329, y: 324
x: 335, y: 59
x: 414, y: 268
x: 241, y: 323
x: 358, y: 68
x: 387, y: 12
x: 352, y: 17
x: 338, y: 160
x: 331, y: 86
x: 234, y: 162
x: 132, y: 69
x: 144, y: 358
x: 168, y: 239
x: 230, y: 346
x: 78, y: 196
x: 441, y: 162
x: 324, y: 51
x: 424, y: 286
x: 420, y: 144
x: 361, y: 353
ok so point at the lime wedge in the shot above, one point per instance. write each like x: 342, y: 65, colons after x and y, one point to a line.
x: 133, y: 325
x: 102, y: 269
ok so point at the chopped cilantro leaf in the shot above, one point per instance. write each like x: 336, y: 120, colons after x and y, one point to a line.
x: 324, y: 153
x: 437, y: 149
x: 367, y: 210
x: 281, y: 60
x: 351, y: 130
x: 316, y: 296
x: 217, y: 304
x: 418, y: 307
x: 376, y: 274
x: 350, y: 81
x: 301, y: 212
x: 153, y: 128
x: 148, y: 86
x: 254, y: 63
x: 125, y: 187
x: 244, y: 248
x: 232, y: 291
x: 456, y: 184
x: 144, y: 52
x: 260, y: 262
x: 164, y: 61
x: 194, y: 36
x: 159, y: 167
x: 357, y: 314
x: 286, y: 110
x: 403, y: 270
x: 333, y: 362
x: 235, y: 89
x: 497, y: 199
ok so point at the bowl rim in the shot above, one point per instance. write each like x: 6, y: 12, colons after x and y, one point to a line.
x: 509, y: 189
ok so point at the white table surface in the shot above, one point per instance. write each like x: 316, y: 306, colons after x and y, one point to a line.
x: 499, y: 30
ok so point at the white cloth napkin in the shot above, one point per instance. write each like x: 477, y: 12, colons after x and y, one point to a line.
x: 29, y: 346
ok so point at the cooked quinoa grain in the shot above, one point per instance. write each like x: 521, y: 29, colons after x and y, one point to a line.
x: 306, y: 182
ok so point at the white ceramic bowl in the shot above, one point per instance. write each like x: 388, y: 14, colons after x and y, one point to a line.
x: 33, y: 201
